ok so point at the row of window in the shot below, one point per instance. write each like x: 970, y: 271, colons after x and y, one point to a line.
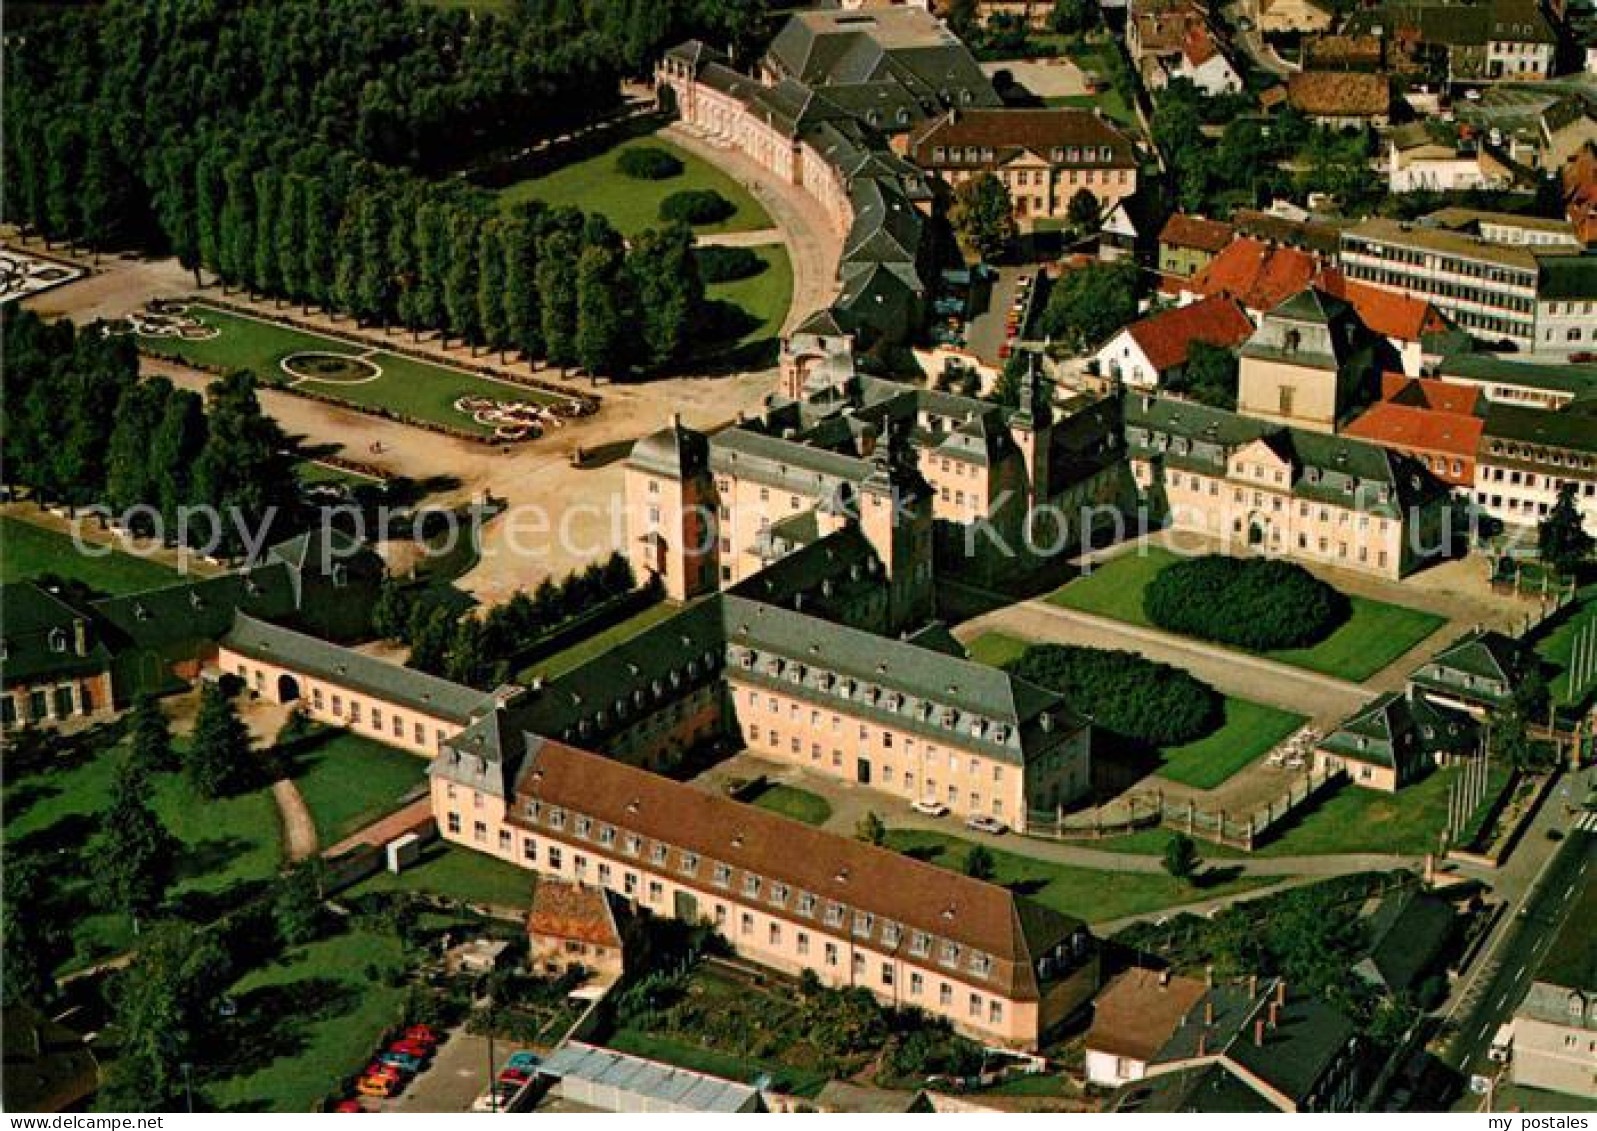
x: 43, y: 703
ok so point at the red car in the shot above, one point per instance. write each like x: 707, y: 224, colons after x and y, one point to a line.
x: 350, y: 1107
x: 421, y: 1050
x: 516, y: 1076
x: 388, y: 1071
x: 422, y: 1033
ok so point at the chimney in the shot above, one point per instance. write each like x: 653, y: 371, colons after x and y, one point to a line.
x: 1253, y: 985
x: 1164, y: 977
x: 80, y: 636
x: 1203, y: 1044
x: 676, y: 420
x: 1208, y: 975
x: 1258, y: 1032
x: 1280, y: 992
x: 1275, y: 1014
x: 1208, y: 1011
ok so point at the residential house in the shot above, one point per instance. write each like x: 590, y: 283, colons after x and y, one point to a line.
x: 1188, y: 244
x: 1564, y: 127
x: 1486, y: 41
x: 54, y: 665
x: 1043, y: 156
x: 1555, y: 1027
x: 1293, y: 15
x: 1432, y: 422
x: 1340, y: 98
x: 1132, y: 1019
x: 1420, y: 157
x: 1199, y: 60
x: 1157, y: 29
x: 1151, y: 351
x: 1293, y: 1053
x: 1257, y: 274
x: 573, y: 927
x: 1395, y: 741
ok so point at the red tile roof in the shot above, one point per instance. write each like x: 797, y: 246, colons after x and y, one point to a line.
x: 563, y: 910
x: 1411, y: 429
x: 1198, y: 232
x: 1010, y: 131
x: 1199, y: 46
x: 1138, y: 1011
x: 1167, y: 337
x: 1339, y: 94
x: 1423, y: 392
x: 1257, y: 275
x: 1388, y: 314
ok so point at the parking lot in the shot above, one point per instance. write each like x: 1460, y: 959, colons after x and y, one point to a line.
x: 458, y: 1074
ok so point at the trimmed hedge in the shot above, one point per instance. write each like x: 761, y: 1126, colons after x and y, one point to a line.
x: 726, y: 264
x: 1260, y: 604
x: 696, y: 206
x: 646, y: 163
x: 1132, y: 697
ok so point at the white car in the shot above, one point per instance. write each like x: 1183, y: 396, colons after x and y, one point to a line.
x: 987, y: 825
x: 927, y: 807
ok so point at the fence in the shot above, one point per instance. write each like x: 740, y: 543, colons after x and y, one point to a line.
x: 1148, y: 810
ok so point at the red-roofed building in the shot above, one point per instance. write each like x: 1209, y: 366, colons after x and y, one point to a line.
x: 1147, y: 353
x: 1199, y: 60
x: 1403, y: 320
x: 1258, y: 275
x: 1579, y: 177
x: 573, y: 925
x: 1432, y: 421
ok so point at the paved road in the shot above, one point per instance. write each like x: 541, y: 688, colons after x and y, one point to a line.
x: 1506, y: 967
x: 1326, y: 699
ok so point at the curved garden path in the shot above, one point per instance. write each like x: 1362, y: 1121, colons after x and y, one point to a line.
x: 299, y: 830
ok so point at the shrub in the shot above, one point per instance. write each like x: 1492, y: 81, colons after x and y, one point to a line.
x: 648, y: 164
x: 696, y: 206
x: 1135, y: 698
x: 1254, y: 603
x: 725, y: 264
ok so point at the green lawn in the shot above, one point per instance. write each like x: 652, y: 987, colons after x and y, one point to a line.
x: 1353, y: 820
x: 1087, y: 893
x: 1152, y: 842
x: 595, y: 185
x: 726, y: 1065
x: 790, y: 801
x: 1556, y: 648
x: 311, y: 473
x: 26, y: 551
x: 764, y: 297
x: 349, y: 781
x: 415, y: 388
x: 458, y: 873
x: 558, y: 663
x: 1375, y: 634
x: 308, y: 1020
x: 1250, y: 729
x: 235, y: 840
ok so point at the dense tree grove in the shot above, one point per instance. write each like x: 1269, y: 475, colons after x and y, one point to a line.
x: 1134, y: 698
x: 1257, y: 603
x: 80, y: 427
x: 634, y: 32
x: 294, y: 150
x: 1090, y: 303
x: 1209, y: 377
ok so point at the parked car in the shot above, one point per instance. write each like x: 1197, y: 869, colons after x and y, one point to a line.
x: 516, y: 1076
x: 526, y: 1061
x: 350, y: 1107
x: 380, y: 1086
x: 929, y: 807
x: 986, y: 825
x: 378, y: 1068
x: 418, y: 1049
x: 423, y: 1033
x: 402, y: 1060
x: 497, y: 1098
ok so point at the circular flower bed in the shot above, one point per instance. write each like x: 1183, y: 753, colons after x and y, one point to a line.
x: 333, y: 368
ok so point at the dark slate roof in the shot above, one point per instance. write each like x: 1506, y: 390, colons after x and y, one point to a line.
x: 1206, y: 1088
x: 415, y: 690
x: 1407, y: 935
x: 201, y: 609
x: 1402, y: 732
x: 1573, y: 427
x: 1567, y: 277
x: 1480, y: 667
x: 674, y: 451
x: 40, y: 636
x: 830, y: 577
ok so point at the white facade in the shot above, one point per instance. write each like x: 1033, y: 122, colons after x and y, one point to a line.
x: 1122, y: 358
x: 1435, y: 168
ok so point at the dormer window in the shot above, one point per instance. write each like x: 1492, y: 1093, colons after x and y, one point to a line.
x: 722, y: 876
x: 557, y: 819
x: 607, y: 835
x: 834, y: 914
x: 751, y: 885
x: 531, y: 808
x: 950, y: 954
x: 633, y: 845
x: 779, y: 894
x: 864, y: 922
x: 806, y: 904
x: 58, y: 640
x: 920, y: 944
x: 583, y: 827
x: 690, y: 863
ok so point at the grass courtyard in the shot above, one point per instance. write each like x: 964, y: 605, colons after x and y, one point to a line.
x: 1555, y: 648
x: 763, y: 298
x: 307, y: 1020
x: 228, y: 845
x: 402, y: 385
x: 1375, y: 635
x: 349, y: 781
x: 558, y: 663
x: 457, y: 873
x: 1250, y: 729
x: 28, y: 551
x: 1086, y: 893
x: 594, y: 184
x: 790, y: 801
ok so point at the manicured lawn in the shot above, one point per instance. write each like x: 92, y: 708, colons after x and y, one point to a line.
x: 311, y: 473
x: 458, y: 873
x: 27, y: 551
x: 1084, y: 892
x: 1362, y: 820
x: 790, y: 801
x: 558, y: 663
x: 231, y: 841
x: 1152, y: 842
x: 414, y: 388
x: 1556, y: 648
x: 764, y: 297
x: 309, y: 1019
x: 996, y: 648
x: 349, y: 781
x: 1250, y: 731
x: 596, y: 185
x: 1374, y: 635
